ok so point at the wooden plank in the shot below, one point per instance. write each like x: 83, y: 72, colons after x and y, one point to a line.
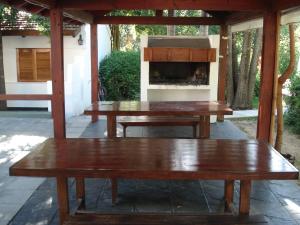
x: 142, y: 158
x: 151, y: 20
x: 283, y: 4
x: 34, y: 97
x: 94, y: 67
x: 57, y: 70
x: 163, y: 219
x: 269, y: 73
x: 222, y: 67
x: 215, y: 5
x: 62, y: 198
x: 245, y: 191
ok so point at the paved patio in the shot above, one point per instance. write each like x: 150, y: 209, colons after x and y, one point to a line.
x: 279, y: 201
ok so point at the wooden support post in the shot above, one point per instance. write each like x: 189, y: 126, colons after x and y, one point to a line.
x: 80, y: 192
x: 62, y: 198
x: 245, y: 191
x: 57, y: 70
x: 222, y: 66
x: 269, y: 73
x: 228, y: 193
x: 94, y: 67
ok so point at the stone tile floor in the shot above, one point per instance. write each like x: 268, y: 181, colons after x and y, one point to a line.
x: 20, y: 132
x: 278, y: 200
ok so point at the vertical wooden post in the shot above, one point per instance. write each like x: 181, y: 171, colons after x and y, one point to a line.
x: 57, y: 71
x: 222, y: 66
x: 94, y: 67
x: 269, y: 73
x: 80, y: 192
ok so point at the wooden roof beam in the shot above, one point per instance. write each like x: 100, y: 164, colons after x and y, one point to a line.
x: 240, y: 17
x: 147, y: 20
x: 216, y: 5
x: 82, y: 16
x: 284, y: 4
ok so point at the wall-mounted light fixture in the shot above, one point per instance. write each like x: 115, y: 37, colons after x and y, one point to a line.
x: 80, y: 40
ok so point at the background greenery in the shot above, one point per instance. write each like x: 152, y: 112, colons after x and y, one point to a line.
x: 120, y: 75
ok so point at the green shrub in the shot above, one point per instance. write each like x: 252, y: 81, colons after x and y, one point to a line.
x: 292, y: 115
x: 120, y: 76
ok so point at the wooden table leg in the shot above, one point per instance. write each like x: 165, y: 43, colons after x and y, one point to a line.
x: 111, y: 126
x: 63, y: 198
x: 245, y: 191
x: 80, y: 192
x: 204, y: 127
x: 228, y: 193
x: 114, y: 190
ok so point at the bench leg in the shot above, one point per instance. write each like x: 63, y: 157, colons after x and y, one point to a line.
x: 228, y: 193
x: 245, y: 191
x: 204, y: 127
x: 111, y: 126
x: 80, y: 192
x: 114, y: 190
x: 63, y: 198
x: 124, y: 131
x: 194, y: 131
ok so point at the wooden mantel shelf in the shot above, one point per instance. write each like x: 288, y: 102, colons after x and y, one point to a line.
x: 160, y: 54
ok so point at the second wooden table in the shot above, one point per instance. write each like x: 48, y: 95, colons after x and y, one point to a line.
x: 203, y: 109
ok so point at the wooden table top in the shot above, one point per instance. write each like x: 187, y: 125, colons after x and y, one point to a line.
x: 140, y: 158
x: 135, y: 108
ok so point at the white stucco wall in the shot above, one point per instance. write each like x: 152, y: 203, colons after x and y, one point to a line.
x: 76, y: 68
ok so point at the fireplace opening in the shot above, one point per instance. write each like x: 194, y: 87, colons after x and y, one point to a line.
x: 179, y: 73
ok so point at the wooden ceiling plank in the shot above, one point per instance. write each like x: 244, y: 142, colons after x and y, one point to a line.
x: 158, y: 20
x: 240, y: 17
x: 284, y: 4
x: 216, y: 5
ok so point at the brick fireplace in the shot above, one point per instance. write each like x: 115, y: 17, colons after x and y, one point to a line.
x: 179, y: 68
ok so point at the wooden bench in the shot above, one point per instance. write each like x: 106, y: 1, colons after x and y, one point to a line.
x: 141, y: 121
x: 157, y: 159
x: 154, y: 219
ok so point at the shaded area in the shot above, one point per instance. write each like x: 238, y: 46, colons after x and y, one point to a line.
x: 278, y: 200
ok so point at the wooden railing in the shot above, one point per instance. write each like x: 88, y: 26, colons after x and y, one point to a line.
x: 31, y: 97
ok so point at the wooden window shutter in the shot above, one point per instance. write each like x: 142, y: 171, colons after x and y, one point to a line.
x: 43, y: 65
x: 34, y: 65
x: 26, y: 65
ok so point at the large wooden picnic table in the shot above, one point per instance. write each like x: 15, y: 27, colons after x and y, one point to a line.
x: 141, y: 158
x: 203, y: 109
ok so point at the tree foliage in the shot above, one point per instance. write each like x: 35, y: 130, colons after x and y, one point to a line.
x: 120, y: 75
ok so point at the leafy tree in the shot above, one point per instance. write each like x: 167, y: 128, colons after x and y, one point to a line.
x: 120, y: 75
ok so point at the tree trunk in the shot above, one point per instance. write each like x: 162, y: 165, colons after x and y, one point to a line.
x: 3, y: 105
x: 115, y: 35
x: 281, y: 80
x: 235, y: 64
x: 241, y: 95
x: 203, y: 29
x: 230, y: 85
x: 253, y: 65
x: 171, y: 30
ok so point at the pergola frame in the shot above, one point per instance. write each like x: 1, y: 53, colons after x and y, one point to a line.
x: 223, y: 13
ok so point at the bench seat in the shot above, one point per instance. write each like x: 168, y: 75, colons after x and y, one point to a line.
x: 160, y: 121
x: 163, y: 219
